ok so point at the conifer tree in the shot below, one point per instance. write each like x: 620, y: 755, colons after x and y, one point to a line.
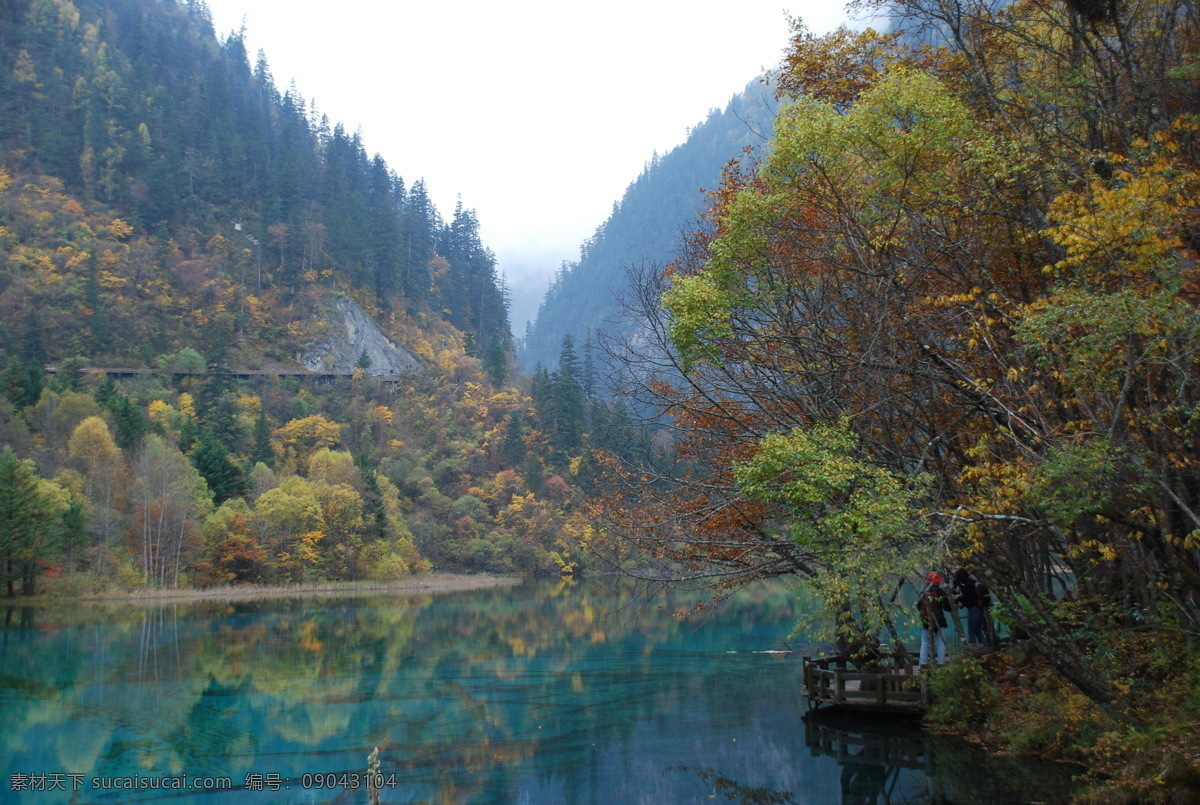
x: 263, y: 452
x: 540, y: 390
x: 27, y: 523
x: 495, y: 363
x: 215, y: 408
x: 129, y: 418
x: 568, y: 399
x: 512, y: 445
x: 225, y: 479
x: 421, y: 225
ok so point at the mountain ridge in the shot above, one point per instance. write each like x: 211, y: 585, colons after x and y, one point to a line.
x: 657, y: 210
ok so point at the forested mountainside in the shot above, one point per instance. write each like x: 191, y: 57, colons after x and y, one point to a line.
x: 176, y: 232
x: 645, y: 227
x: 231, y: 194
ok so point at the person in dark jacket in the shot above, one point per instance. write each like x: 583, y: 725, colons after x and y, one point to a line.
x: 932, y: 605
x: 966, y: 593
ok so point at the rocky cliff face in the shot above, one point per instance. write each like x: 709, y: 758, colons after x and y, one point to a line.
x: 351, y: 331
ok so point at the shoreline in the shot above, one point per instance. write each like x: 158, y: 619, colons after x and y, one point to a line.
x: 430, y: 583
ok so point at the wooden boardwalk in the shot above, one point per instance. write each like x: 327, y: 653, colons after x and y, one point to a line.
x: 132, y: 373
x: 898, y: 688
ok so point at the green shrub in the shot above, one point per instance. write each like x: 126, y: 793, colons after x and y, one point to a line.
x: 961, y: 693
x: 74, y: 585
x: 381, y: 562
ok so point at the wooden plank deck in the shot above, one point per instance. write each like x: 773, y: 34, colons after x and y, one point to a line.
x: 899, y: 688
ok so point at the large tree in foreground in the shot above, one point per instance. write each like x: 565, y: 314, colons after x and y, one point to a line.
x: 951, y: 315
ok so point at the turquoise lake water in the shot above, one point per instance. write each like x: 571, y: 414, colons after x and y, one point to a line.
x: 547, y: 692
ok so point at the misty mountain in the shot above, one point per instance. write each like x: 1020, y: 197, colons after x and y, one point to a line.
x: 645, y: 226
x: 199, y: 275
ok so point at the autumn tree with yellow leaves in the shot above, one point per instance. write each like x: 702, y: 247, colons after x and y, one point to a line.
x: 950, y: 318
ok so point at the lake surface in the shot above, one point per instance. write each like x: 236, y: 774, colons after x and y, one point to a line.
x: 547, y: 692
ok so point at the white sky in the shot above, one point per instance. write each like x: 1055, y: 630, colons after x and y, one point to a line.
x: 538, y: 114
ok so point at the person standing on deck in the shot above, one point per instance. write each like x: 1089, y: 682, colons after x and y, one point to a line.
x: 933, y: 604
x: 967, y: 594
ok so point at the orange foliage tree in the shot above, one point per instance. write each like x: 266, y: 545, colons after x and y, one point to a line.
x: 950, y: 317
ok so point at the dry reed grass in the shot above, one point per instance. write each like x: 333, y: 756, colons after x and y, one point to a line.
x: 434, y: 582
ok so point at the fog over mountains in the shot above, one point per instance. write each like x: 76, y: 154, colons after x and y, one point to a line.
x: 645, y: 226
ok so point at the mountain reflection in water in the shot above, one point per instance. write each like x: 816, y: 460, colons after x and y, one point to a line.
x: 548, y: 692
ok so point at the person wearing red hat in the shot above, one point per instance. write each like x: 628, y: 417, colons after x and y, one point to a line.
x: 933, y: 604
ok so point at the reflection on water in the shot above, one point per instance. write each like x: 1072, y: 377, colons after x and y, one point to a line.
x: 542, y: 693
x: 895, y: 761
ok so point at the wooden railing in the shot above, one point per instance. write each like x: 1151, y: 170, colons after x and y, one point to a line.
x: 130, y: 373
x: 898, y: 687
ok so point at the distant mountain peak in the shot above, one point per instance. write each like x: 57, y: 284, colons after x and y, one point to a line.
x: 645, y: 227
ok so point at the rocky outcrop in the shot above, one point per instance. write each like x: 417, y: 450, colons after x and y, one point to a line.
x: 351, y: 331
